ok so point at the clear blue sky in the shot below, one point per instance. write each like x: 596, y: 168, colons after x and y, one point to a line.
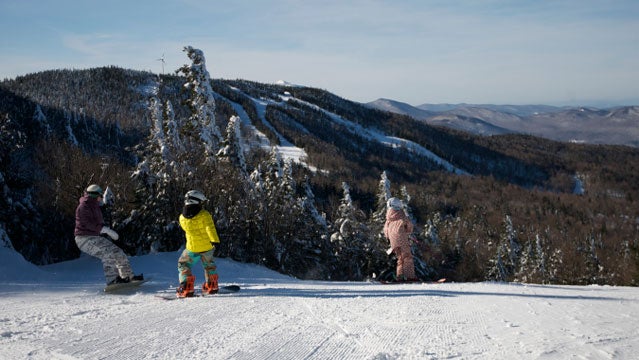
x: 576, y: 52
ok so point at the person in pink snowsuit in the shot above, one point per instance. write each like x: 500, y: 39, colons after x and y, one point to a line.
x: 397, y: 230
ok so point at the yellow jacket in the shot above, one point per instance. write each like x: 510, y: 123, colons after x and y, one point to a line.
x: 200, y: 232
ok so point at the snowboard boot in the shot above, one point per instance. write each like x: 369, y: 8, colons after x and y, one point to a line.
x: 186, y: 288
x: 137, y: 277
x: 118, y: 280
x: 210, y: 287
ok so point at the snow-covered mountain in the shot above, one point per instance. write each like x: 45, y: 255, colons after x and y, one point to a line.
x: 469, y: 195
x: 402, y: 108
x: 616, y: 126
x: 60, y: 312
x: 469, y: 124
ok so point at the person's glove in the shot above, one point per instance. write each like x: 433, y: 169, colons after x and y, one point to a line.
x: 109, y: 232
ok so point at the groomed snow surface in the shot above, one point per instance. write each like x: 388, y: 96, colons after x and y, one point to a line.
x: 60, y: 312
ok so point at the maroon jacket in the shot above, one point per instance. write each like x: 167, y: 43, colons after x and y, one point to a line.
x: 88, y: 217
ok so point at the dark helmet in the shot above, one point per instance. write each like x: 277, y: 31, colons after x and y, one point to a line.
x: 94, y: 191
x: 194, y: 197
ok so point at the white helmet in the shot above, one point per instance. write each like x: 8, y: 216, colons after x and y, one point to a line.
x: 394, y: 203
x: 194, y: 197
x: 94, y: 190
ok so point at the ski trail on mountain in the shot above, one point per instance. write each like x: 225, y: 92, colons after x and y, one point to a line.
x: 391, y: 141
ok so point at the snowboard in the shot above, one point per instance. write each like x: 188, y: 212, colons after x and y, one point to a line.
x: 386, y: 282
x: 124, y: 286
x: 227, y: 289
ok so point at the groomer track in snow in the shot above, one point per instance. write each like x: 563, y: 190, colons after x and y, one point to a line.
x: 60, y: 312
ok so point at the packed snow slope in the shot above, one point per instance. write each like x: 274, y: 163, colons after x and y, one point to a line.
x: 60, y: 312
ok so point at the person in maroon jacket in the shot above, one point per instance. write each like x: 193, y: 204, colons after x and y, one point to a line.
x: 89, y: 226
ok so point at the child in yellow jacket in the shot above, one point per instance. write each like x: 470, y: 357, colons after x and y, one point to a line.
x: 201, y: 239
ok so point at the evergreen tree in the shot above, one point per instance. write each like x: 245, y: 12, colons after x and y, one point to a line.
x: 594, y: 268
x: 309, y: 252
x: 152, y: 226
x: 253, y: 248
x: 506, y: 261
x: 349, y: 239
x: 422, y: 269
x: 405, y: 197
x: 232, y: 146
x: 382, y: 196
x: 276, y: 210
x: 379, y: 261
x: 40, y: 119
x: 512, y: 242
x: 497, y: 270
x: 5, y: 242
x: 534, y: 262
x: 201, y: 102
x: 431, y: 231
x: 241, y: 203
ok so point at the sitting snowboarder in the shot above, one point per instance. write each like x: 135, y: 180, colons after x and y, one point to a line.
x: 201, y: 239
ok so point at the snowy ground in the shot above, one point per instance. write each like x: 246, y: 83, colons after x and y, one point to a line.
x: 60, y: 312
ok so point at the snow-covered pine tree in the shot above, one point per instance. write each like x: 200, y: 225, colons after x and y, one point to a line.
x: 377, y: 242
x: 201, y: 102
x: 382, y: 196
x: 542, y: 261
x: 152, y: 226
x: 232, y: 146
x: 40, y: 119
x: 497, y: 270
x: 275, y: 211
x: 431, y: 231
x: 533, y: 263
x: 291, y: 233
x: 405, y: 197
x: 252, y: 248
x: 169, y: 140
x: 594, y: 269
x: 240, y: 201
x: 310, y: 255
x: 549, y: 260
x: 422, y: 269
x: 5, y: 242
x: 308, y: 203
x: 350, y: 239
x: 68, y: 119
x: 506, y: 261
x: 15, y: 203
x: 284, y: 202
x: 514, y: 249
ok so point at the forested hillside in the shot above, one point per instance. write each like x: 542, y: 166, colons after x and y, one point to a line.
x: 508, y: 208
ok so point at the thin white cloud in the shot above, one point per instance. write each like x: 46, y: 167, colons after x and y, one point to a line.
x: 413, y: 51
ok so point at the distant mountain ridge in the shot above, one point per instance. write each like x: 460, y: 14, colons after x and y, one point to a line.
x: 612, y: 126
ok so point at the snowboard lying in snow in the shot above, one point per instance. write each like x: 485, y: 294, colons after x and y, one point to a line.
x: 124, y: 286
x: 389, y: 282
x: 227, y: 289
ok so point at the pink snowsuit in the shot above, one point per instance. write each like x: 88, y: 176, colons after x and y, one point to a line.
x: 397, y: 229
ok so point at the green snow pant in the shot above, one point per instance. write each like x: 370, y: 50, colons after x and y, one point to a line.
x: 189, y: 258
